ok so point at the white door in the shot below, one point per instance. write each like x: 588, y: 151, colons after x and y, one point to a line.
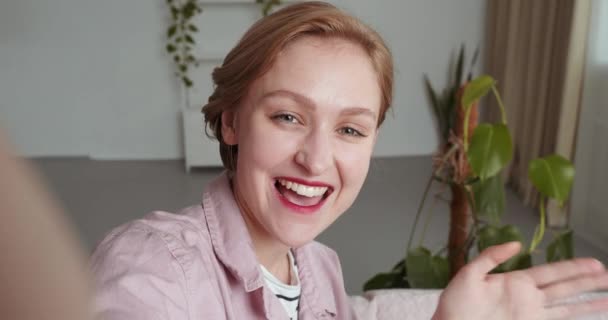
x: 589, y: 210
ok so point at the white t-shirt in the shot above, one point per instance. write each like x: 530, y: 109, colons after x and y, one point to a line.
x: 288, y: 294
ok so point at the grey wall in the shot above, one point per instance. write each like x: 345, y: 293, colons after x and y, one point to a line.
x: 369, y: 238
x: 87, y: 78
x: 91, y: 78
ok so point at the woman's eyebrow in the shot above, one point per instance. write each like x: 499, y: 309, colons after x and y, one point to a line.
x: 354, y: 111
x: 301, y: 99
x: 282, y: 93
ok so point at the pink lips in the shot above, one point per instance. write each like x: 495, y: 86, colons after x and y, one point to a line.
x: 308, y: 210
x: 305, y: 182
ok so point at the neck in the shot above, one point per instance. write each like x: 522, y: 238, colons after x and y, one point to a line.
x: 271, y: 253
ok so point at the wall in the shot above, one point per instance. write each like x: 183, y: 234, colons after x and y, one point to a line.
x: 90, y: 78
x: 87, y: 78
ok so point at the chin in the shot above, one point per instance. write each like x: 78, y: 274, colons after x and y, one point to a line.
x: 295, y: 238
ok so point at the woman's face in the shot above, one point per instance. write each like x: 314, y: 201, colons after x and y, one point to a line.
x: 305, y: 134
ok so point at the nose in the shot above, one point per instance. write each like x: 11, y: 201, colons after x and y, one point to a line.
x: 315, y: 154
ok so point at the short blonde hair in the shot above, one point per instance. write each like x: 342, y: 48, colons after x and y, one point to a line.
x: 257, y: 50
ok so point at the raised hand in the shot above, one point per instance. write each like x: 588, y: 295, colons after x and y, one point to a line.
x: 43, y: 271
x: 525, y: 294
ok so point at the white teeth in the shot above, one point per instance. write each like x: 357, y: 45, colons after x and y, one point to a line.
x: 303, y: 190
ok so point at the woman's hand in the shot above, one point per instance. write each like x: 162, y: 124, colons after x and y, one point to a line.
x: 525, y: 294
x: 43, y: 271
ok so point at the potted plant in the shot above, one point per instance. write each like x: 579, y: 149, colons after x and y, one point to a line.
x: 470, y: 160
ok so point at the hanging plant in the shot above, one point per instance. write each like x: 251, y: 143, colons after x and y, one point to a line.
x: 267, y: 5
x: 180, y: 37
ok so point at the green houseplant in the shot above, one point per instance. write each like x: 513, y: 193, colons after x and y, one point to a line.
x: 267, y: 5
x: 180, y: 34
x: 180, y: 37
x: 470, y: 160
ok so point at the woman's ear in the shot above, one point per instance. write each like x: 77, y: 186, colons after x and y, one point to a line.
x: 229, y: 128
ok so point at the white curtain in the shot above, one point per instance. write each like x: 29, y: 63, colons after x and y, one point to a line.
x: 529, y: 46
x: 588, y: 211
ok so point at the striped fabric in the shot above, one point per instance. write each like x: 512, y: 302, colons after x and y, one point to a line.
x: 288, y: 294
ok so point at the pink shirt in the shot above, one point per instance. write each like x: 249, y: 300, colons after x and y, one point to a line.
x: 200, y: 264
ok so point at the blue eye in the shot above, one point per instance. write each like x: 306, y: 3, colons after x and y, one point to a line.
x: 351, y: 132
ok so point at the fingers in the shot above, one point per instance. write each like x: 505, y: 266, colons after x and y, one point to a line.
x: 569, y: 278
x: 492, y: 257
x: 568, y: 311
x: 572, y: 287
x: 546, y: 274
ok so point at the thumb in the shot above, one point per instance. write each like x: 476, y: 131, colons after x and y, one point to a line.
x: 491, y: 257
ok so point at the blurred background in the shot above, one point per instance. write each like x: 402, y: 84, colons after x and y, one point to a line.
x: 88, y: 93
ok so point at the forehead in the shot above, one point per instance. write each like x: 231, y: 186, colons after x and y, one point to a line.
x: 331, y: 72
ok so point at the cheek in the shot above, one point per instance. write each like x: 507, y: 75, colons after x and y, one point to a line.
x: 265, y: 146
x: 353, y: 164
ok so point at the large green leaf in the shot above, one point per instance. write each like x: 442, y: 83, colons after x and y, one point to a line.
x: 426, y: 271
x: 561, y: 248
x: 400, y: 266
x: 476, y: 89
x: 552, y: 176
x: 491, y: 149
x: 491, y: 235
x: 489, y: 197
x: 386, y: 280
x: 521, y: 261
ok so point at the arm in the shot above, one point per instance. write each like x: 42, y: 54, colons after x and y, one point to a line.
x: 43, y: 273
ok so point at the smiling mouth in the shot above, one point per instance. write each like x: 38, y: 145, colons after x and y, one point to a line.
x: 302, y: 195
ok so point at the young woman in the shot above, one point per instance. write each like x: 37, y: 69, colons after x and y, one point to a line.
x: 297, y: 108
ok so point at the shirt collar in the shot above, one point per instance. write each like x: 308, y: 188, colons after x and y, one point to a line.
x: 316, y: 289
x: 229, y: 235
x: 234, y: 248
